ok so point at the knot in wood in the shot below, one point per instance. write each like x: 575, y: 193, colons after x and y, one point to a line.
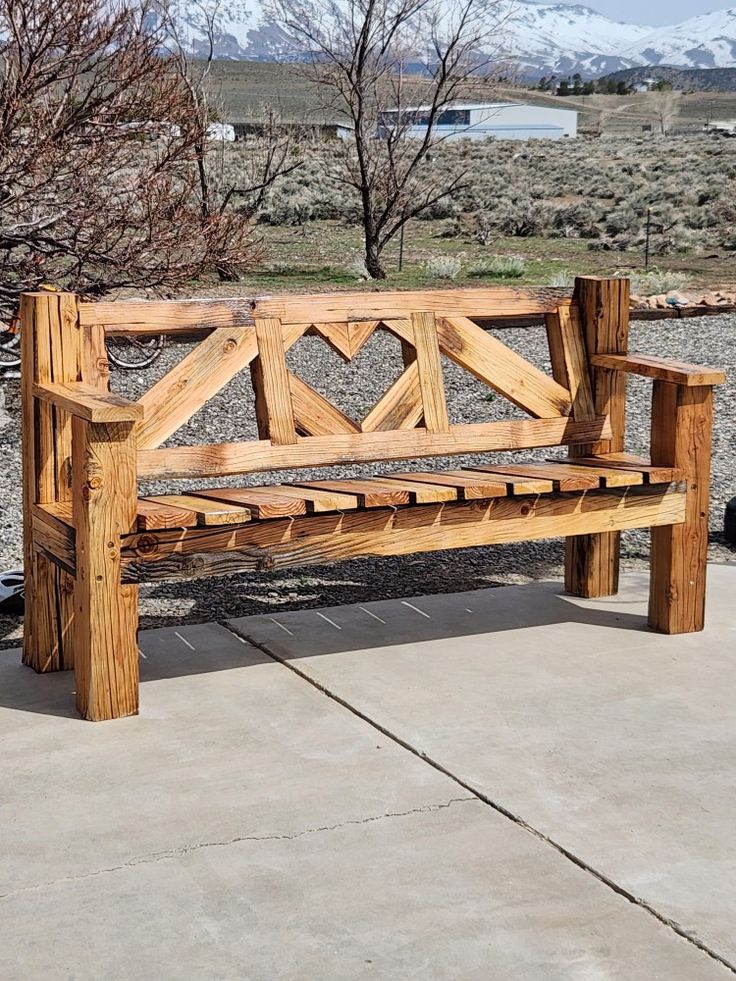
x: 266, y: 564
x: 182, y: 383
x: 103, y: 366
x: 229, y: 346
x: 525, y: 509
x: 94, y: 482
x: 146, y: 545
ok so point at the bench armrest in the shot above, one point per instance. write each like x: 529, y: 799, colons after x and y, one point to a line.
x: 662, y: 369
x: 87, y: 402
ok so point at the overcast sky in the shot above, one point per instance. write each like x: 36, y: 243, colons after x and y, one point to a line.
x: 655, y: 11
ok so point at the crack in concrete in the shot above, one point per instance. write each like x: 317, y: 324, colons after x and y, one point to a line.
x: 620, y: 890
x: 184, y: 850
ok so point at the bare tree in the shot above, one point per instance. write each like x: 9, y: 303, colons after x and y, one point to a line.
x: 99, y: 183
x: 665, y: 108
x: 378, y: 61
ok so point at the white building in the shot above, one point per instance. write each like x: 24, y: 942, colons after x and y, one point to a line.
x: 481, y: 120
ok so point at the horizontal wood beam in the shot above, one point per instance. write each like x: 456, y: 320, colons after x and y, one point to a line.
x: 662, y: 369
x: 222, y: 459
x: 315, y: 540
x: 87, y: 402
x: 53, y: 537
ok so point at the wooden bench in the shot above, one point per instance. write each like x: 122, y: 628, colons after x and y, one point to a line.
x: 90, y: 540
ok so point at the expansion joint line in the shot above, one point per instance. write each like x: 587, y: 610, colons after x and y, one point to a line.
x: 614, y: 886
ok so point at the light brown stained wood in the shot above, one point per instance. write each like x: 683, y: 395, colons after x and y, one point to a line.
x: 50, y: 350
x: 398, y: 408
x: 318, y: 501
x: 87, y: 402
x: 576, y: 363
x: 328, y: 538
x: 274, y: 377
x: 516, y: 484
x: 370, y: 493
x: 105, y: 612
x: 561, y: 478
x: 340, y: 307
x: 167, y: 316
x: 431, y: 381
x: 154, y: 514
x: 346, y: 339
x: 314, y: 415
x: 629, y: 462
x: 174, y: 399
x: 54, y: 537
x: 556, y: 352
x: 592, y: 565
x: 501, y: 368
x: 664, y: 369
x: 359, y: 332
x: 262, y: 502
x: 420, y: 492
x: 682, y: 427
x: 467, y: 486
x: 218, y: 460
x: 208, y: 512
x: 608, y: 476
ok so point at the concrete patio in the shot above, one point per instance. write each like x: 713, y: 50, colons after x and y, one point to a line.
x: 507, y: 784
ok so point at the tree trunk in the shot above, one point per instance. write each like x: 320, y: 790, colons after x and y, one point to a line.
x: 373, y: 261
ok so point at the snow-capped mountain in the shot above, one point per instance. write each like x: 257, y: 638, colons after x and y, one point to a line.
x: 540, y: 38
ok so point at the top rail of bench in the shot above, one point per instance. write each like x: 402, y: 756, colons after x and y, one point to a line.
x: 182, y: 316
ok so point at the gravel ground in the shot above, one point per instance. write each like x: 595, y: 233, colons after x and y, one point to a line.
x: 230, y: 415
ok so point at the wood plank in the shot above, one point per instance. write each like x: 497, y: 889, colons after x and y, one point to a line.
x: 204, y: 512
x: 516, y: 483
x: 562, y: 478
x: 275, y: 379
x: 54, y: 538
x: 467, y: 486
x: 421, y: 492
x: 371, y: 493
x: 318, y: 501
x: 314, y: 415
x: 153, y: 514
x: 359, y: 332
x: 682, y: 429
x: 87, y: 402
x: 174, y: 399
x: 431, y: 381
x: 221, y: 459
x: 556, y: 352
x: 502, y: 369
x: 167, y: 316
x: 337, y: 337
x: 608, y: 476
x: 105, y: 613
x: 636, y: 464
x: 337, y: 307
x: 663, y: 369
x: 400, y: 407
x: 576, y: 362
x: 328, y: 538
x: 592, y: 565
x: 262, y: 502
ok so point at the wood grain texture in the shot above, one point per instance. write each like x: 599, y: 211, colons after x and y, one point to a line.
x: 167, y: 316
x: 400, y: 407
x: 54, y: 537
x: 315, y: 415
x: 421, y: 492
x: 104, y: 509
x: 592, y: 566
x: 432, y: 383
x: 318, y: 501
x: 577, y: 368
x: 630, y: 463
x: 516, y: 483
x: 562, y: 479
x: 262, y: 502
x: 174, y: 399
x: 274, y: 377
x: 608, y: 476
x: 154, y: 514
x: 502, y: 369
x: 217, y: 460
x: 370, y: 493
x: 662, y: 369
x: 682, y: 428
x: 329, y: 538
x: 466, y: 485
x: 87, y: 402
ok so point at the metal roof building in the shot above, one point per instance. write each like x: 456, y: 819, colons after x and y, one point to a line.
x: 483, y: 120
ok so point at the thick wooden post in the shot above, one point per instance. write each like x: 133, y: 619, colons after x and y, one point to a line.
x: 682, y: 426
x: 51, y: 351
x: 105, y: 612
x: 592, y: 561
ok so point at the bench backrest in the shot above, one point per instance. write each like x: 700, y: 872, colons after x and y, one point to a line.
x: 299, y: 427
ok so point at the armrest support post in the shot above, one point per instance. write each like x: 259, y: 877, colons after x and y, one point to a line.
x: 681, y: 436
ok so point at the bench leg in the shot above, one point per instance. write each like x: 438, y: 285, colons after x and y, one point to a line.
x: 592, y: 563
x: 47, y: 622
x: 105, y: 611
x: 682, y: 423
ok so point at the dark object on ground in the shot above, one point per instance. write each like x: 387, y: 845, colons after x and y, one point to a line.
x: 729, y: 522
x: 11, y: 592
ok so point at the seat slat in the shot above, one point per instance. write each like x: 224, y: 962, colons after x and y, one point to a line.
x: 318, y: 500
x: 517, y: 484
x: 629, y: 461
x: 467, y: 486
x: 420, y: 492
x: 609, y: 477
x: 205, y: 512
x: 262, y: 502
x: 562, y: 479
x: 155, y: 515
x: 371, y: 493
